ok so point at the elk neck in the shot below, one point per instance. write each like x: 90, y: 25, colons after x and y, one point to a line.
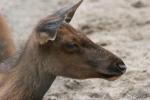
x: 30, y: 76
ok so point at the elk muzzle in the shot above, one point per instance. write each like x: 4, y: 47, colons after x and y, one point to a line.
x: 115, y: 70
x: 108, y: 65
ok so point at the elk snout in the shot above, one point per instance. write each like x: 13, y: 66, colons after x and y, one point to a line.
x: 122, y: 67
x: 117, y: 68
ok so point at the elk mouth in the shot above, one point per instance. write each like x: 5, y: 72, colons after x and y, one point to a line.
x: 114, y: 73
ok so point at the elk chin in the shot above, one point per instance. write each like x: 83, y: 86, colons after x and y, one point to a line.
x: 113, y: 78
x: 110, y: 77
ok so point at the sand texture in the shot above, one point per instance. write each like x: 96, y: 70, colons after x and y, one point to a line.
x: 121, y: 26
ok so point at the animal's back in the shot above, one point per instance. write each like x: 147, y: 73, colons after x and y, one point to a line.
x: 7, y: 48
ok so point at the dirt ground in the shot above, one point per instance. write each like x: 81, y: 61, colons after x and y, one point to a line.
x: 121, y: 26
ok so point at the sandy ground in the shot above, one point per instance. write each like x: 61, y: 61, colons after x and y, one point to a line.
x: 121, y: 26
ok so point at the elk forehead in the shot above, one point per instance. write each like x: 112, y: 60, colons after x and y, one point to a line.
x: 68, y: 33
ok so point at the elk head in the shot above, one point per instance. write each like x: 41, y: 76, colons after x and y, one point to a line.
x: 70, y: 53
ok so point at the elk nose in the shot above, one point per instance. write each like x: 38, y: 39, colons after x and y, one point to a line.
x: 122, y: 67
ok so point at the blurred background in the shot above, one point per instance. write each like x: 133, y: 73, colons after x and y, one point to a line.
x: 121, y: 26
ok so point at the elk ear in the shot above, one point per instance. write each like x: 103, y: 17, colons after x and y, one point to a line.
x: 47, y: 28
x: 68, y: 12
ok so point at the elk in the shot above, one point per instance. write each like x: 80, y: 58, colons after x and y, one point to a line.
x: 55, y: 48
x: 7, y: 47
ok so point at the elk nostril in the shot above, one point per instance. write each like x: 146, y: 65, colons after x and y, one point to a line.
x: 122, y: 68
x: 117, y: 69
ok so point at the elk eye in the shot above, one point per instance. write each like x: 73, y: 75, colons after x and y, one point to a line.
x: 71, y: 45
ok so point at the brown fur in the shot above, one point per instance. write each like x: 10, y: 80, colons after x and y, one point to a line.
x: 70, y: 54
x: 7, y: 48
x: 33, y: 74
